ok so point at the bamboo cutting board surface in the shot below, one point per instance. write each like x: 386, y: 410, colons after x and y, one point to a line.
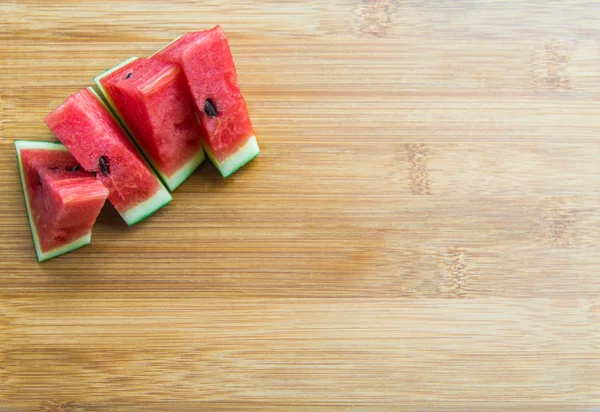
x: 420, y: 231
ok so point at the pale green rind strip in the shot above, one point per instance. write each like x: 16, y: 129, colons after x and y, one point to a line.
x: 145, y: 209
x: 76, y: 244
x: 117, y: 67
x: 185, y: 171
x: 246, y: 153
x: 38, y: 144
x: 176, y: 178
x: 148, y: 207
x: 42, y: 256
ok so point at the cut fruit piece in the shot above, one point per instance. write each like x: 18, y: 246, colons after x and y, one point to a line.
x: 85, y: 126
x: 207, y: 64
x: 62, y: 200
x: 152, y: 101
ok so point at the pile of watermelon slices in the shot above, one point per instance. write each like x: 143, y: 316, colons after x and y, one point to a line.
x: 147, y: 128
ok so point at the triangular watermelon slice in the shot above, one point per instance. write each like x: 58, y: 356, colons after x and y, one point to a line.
x: 85, y: 126
x: 61, y: 198
x: 153, y: 102
x: 207, y: 64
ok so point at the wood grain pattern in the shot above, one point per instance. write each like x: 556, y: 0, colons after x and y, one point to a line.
x: 420, y: 231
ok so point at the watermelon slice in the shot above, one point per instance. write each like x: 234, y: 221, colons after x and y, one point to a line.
x: 152, y: 101
x: 85, y: 126
x: 208, y: 66
x: 61, y: 198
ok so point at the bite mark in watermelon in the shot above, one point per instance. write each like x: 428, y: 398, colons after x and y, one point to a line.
x: 152, y: 100
x: 62, y: 200
x: 207, y: 64
x: 85, y: 126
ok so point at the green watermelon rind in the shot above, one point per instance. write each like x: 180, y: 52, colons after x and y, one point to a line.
x: 147, y: 208
x: 235, y: 161
x: 150, y: 206
x: 184, y: 171
x: 69, y: 247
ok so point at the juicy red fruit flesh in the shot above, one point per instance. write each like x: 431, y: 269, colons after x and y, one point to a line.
x: 87, y: 129
x: 153, y: 100
x: 64, y: 200
x: 207, y: 63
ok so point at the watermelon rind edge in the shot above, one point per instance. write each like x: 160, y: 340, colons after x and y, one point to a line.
x: 184, y: 171
x: 150, y: 206
x: 147, y: 208
x: 76, y: 244
x: 235, y: 161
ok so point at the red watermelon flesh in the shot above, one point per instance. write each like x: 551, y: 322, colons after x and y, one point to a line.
x: 152, y: 99
x: 84, y: 125
x: 207, y: 63
x: 62, y: 199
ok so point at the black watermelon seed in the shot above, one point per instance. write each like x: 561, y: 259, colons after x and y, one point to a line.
x: 128, y: 75
x: 103, y: 163
x: 75, y: 168
x: 39, y: 179
x: 210, y: 109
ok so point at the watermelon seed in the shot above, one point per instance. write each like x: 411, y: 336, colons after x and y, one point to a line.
x: 210, y: 109
x: 39, y: 179
x: 104, y: 165
x: 75, y: 168
x: 128, y: 75
x: 54, y: 169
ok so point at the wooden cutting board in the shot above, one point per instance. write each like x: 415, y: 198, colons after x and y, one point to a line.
x: 420, y: 231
